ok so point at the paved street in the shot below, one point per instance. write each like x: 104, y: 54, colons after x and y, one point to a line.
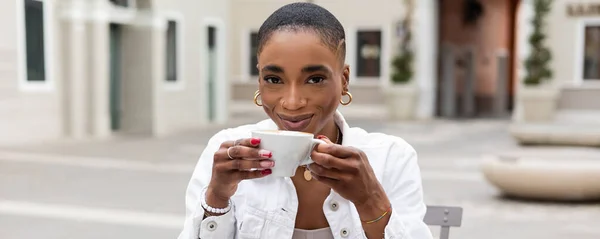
x: 131, y: 187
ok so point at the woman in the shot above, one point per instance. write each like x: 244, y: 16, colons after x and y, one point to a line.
x: 362, y: 185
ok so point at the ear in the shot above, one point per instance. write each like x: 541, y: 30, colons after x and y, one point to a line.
x: 345, y: 78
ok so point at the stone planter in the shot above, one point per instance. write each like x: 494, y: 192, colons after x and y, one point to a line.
x: 538, y: 103
x: 401, y: 101
x: 566, y: 179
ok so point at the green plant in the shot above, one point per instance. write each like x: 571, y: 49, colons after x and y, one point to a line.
x: 402, y: 64
x: 537, y: 63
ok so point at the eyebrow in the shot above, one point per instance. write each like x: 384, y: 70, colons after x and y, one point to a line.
x: 306, y: 69
x: 315, y: 68
x: 273, y: 68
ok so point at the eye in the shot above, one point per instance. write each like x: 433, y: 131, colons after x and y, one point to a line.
x: 272, y: 80
x: 316, y: 80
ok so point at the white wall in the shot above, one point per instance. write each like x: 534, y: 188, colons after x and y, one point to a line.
x: 27, y: 112
x: 566, y: 39
x: 185, y: 106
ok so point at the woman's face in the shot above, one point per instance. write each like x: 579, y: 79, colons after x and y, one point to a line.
x: 301, y: 81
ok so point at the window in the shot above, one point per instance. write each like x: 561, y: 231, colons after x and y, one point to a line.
x: 591, y: 55
x: 368, y: 51
x: 212, y: 37
x: 171, y: 51
x: 122, y: 3
x: 253, y: 50
x: 35, y: 52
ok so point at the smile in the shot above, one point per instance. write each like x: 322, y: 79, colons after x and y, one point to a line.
x: 296, y: 123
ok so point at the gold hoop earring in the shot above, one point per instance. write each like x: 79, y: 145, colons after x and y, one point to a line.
x: 256, y: 95
x: 349, y: 98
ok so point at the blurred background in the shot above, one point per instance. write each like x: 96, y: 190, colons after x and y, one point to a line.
x: 106, y: 105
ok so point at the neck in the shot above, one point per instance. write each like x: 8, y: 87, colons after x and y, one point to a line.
x: 331, y: 131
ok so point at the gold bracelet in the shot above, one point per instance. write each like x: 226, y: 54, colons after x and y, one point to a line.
x: 380, y: 217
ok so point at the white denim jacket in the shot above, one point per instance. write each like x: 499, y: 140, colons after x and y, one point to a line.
x: 266, y: 207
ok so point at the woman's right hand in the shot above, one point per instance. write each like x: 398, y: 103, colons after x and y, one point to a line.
x: 232, y: 164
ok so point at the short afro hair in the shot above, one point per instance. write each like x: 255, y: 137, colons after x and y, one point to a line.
x: 303, y: 16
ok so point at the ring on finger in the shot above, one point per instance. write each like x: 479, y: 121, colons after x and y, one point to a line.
x: 228, y: 154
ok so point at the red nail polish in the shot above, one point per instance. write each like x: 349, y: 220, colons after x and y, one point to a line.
x: 255, y: 141
x: 320, y: 137
x: 265, y: 153
x: 266, y: 172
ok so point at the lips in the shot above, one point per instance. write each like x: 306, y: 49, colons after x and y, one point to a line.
x: 296, y: 122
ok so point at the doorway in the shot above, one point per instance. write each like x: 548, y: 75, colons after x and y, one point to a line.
x: 214, y: 69
x: 211, y: 66
x: 476, y: 39
x: 115, y: 106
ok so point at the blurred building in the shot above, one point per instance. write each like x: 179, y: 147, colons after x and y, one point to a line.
x: 484, y: 29
x: 574, y: 39
x: 95, y: 68
x: 573, y: 117
x: 469, y: 53
x: 367, y: 23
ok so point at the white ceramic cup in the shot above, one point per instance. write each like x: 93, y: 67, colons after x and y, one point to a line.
x: 290, y: 149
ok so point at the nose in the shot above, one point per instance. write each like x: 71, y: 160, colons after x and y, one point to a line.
x: 293, y: 99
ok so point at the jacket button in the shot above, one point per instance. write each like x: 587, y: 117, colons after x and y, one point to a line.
x: 344, y: 232
x: 211, y: 226
x: 334, y: 206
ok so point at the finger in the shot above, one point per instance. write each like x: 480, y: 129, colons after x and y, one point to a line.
x: 238, y: 152
x: 336, y: 150
x: 325, y: 138
x: 325, y: 172
x: 329, y: 161
x: 332, y: 183
x: 244, y: 175
x: 248, y: 142
x: 246, y: 164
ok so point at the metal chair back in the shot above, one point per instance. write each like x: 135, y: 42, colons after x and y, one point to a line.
x: 445, y: 217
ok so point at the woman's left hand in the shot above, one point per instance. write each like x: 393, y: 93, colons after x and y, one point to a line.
x: 348, y: 172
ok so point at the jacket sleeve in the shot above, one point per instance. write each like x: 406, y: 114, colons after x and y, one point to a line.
x: 212, y: 227
x: 403, y: 184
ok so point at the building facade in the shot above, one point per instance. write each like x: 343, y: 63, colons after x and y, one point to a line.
x: 469, y: 53
x: 460, y: 25
x: 96, y: 68
x: 574, y: 39
x: 368, y: 24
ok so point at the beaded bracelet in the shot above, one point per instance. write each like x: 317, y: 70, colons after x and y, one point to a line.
x: 380, y: 217
x: 212, y: 209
